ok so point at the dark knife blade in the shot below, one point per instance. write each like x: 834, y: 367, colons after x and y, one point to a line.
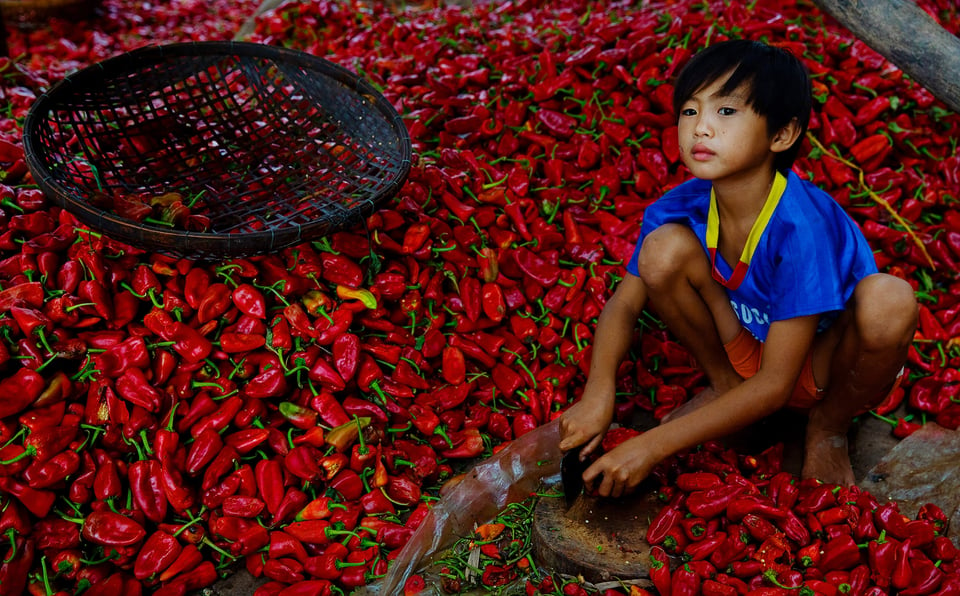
x: 571, y: 475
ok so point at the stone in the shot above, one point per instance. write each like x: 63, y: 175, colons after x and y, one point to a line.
x: 921, y: 469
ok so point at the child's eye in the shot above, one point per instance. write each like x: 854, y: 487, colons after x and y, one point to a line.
x: 727, y: 111
x: 688, y: 112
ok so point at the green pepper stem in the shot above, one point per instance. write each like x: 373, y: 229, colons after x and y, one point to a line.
x: 28, y: 452
x: 11, y: 535
x: 210, y: 543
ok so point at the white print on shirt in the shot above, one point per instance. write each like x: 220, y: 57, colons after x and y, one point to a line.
x: 749, y: 315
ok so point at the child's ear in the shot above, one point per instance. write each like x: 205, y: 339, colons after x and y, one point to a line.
x: 785, y: 137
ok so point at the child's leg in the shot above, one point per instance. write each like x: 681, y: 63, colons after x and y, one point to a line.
x: 675, y: 269
x: 857, y: 361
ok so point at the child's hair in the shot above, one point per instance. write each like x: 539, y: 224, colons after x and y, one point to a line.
x: 779, y: 85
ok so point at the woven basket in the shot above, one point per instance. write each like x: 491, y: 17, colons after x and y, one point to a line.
x: 27, y: 14
x: 265, y: 147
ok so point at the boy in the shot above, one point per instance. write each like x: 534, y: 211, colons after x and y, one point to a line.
x: 761, y: 276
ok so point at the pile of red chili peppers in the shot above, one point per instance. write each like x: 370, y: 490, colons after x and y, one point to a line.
x: 735, y: 524
x: 164, y: 422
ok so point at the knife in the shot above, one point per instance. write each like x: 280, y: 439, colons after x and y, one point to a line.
x: 571, y: 475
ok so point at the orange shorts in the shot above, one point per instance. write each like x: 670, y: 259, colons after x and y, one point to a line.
x: 744, y: 352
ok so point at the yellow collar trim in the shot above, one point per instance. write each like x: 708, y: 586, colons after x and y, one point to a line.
x: 753, y: 239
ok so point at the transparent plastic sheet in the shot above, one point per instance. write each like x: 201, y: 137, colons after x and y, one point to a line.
x: 507, y: 477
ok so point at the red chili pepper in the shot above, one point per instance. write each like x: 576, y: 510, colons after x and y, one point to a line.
x: 712, y: 502
x: 902, y: 569
x: 198, y: 577
x: 215, y: 301
x: 494, y: 305
x: 16, y: 567
x: 134, y: 387
x: 668, y: 517
x: 214, y: 496
x: 52, y: 472
x: 246, y: 440
x: 179, y: 495
x: 841, y: 552
x: 313, y: 531
x: 467, y: 443
x: 285, y: 545
x: 94, y: 292
x: 684, y: 582
x: 106, y: 481
x: 660, y: 571
x: 222, y: 464
x: 753, y: 505
x: 691, y: 481
x: 712, y: 587
x: 734, y: 548
x: 242, y: 506
x: 146, y: 487
x: 870, y: 148
x: 920, y: 532
x: 189, y: 558
x: 299, y: 416
x: 794, y: 528
x: 890, y: 521
x: 536, y: 267
x: 293, y: 501
x: 44, y: 443
x: 556, y: 123
x: 871, y: 111
x: 234, y: 343
x: 158, y: 552
x: 943, y: 549
x: 926, y: 577
x: 249, y: 300
x: 702, y: 549
x: 324, y: 373
x: 205, y: 447
x: 19, y: 390
x: 816, y: 498
x: 109, y: 528
x: 299, y: 322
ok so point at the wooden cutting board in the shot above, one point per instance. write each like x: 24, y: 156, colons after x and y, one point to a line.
x: 597, y: 539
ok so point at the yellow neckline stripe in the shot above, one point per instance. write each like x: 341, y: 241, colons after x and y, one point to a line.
x: 753, y: 239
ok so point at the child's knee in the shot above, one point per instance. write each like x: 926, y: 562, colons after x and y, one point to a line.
x: 886, y: 311
x: 665, y: 251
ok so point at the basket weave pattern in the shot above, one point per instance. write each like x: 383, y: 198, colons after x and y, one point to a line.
x: 271, y: 146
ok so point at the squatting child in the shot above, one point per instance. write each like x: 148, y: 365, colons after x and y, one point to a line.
x: 762, y: 276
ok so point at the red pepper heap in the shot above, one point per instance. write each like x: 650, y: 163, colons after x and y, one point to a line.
x: 737, y: 524
x: 745, y: 527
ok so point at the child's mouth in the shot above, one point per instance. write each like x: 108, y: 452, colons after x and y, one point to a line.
x: 701, y: 152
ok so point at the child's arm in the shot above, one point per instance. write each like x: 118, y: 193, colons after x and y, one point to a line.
x: 785, y: 351
x: 588, y: 419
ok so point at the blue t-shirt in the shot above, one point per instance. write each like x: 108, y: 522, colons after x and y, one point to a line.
x: 808, y: 259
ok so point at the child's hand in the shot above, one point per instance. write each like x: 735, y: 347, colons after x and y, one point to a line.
x: 622, y: 469
x: 584, y: 423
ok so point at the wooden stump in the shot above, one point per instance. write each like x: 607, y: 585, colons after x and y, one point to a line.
x: 598, y: 539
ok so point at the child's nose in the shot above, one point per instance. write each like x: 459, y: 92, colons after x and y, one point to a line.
x: 703, y: 126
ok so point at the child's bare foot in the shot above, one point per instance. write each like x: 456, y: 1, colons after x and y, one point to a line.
x: 827, y: 457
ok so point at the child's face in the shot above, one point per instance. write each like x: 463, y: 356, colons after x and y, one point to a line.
x: 721, y: 136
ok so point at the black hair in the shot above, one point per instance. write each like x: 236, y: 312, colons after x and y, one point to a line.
x: 779, y: 84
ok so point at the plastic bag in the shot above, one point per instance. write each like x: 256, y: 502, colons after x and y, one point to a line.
x: 507, y: 477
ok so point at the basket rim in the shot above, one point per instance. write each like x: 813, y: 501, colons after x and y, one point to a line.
x: 129, y: 62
